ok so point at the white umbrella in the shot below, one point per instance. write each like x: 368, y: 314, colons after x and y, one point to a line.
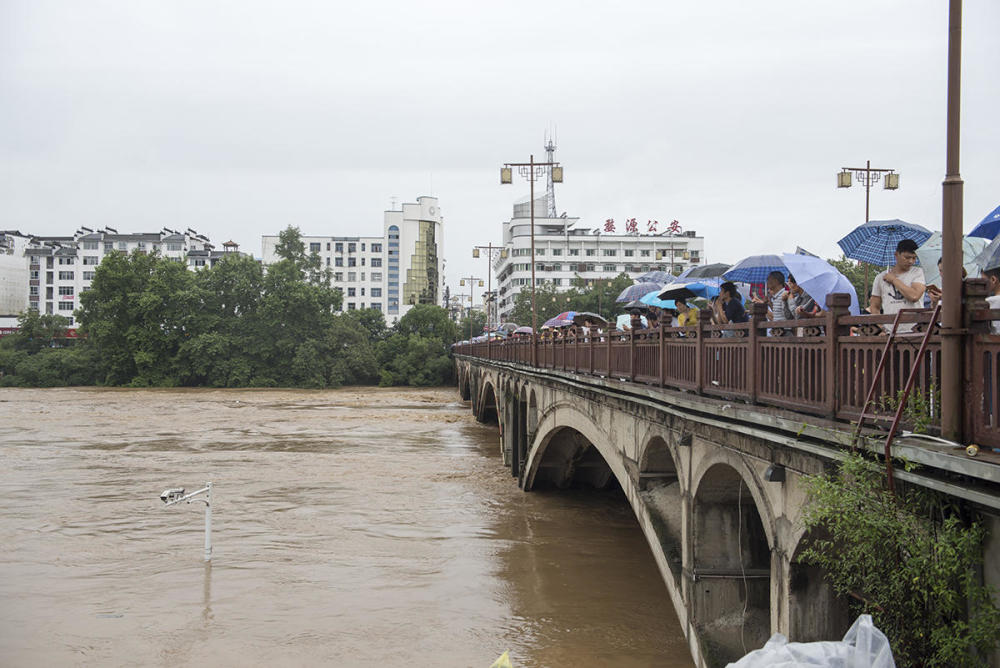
x: 819, y: 278
x: 930, y: 252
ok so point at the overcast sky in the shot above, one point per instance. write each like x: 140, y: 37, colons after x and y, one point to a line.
x: 238, y: 119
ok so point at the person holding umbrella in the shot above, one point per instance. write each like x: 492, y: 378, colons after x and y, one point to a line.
x: 686, y: 315
x: 800, y: 304
x: 900, y: 286
x: 729, y: 307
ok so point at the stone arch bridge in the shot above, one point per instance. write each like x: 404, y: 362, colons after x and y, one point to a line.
x: 717, y: 487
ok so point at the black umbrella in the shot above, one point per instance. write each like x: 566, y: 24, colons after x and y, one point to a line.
x: 582, y: 318
x: 636, y: 306
x: 709, y: 270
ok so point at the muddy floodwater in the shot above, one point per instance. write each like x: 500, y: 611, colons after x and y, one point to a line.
x: 366, y: 527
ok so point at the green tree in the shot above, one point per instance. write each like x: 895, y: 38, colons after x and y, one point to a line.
x: 908, y: 560
x: 371, y: 321
x: 352, y: 359
x: 430, y: 321
x: 37, y: 331
x: 549, y: 302
x: 475, y: 324
x: 599, y: 296
x: 855, y: 273
x: 414, y: 359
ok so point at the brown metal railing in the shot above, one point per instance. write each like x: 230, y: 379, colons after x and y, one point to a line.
x: 821, y: 366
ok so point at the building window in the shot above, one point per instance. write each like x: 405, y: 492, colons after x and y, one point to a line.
x: 35, y: 274
x: 376, y: 305
x: 91, y: 260
x: 557, y: 251
x: 88, y: 275
x: 314, y: 247
x: 350, y: 306
x: 89, y: 245
x: 175, y: 247
x: 109, y: 246
x: 33, y: 290
x: 339, y: 247
x: 328, y: 262
x: 352, y: 262
x: 122, y: 246
x: 629, y: 253
x: 376, y: 277
x: 67, y: 260
x: 539, y: 251
x: 376, y: 248
x: 644, y: 253
x: 376, y: 292
x: 591, y: 252
x: 694, y: 254
x: 591, y: 267
x: 351, y: 292
x: 610, y: 252
x: 199, y: 263
x: 65, y: 275
x: 338, y: 261
x: 352, y: 277
x: 362, y: 248
x: 66, y: 290
x: 352, y: 247
x: 66, y: 306
x: 376, y: 262
x: 574, y: 251
x: 338, y: 276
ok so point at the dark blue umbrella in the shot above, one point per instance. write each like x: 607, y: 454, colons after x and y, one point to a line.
x: 754, y: 269
x: 687, y: 291
x: 633, y: 292
x: 875, y: 241
x: 988, y: 227
x: 656, y: 276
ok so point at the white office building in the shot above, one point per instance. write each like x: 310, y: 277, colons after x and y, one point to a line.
x: 48, y: 274
x: 390, y: 273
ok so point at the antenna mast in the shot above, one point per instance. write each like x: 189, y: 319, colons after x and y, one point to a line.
x: 550, y: 191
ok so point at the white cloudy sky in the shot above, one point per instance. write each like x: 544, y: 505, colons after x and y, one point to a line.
x: 240, y: 118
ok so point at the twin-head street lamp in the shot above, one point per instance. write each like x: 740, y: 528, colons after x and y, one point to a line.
x: 492, y: 252
x: 532, y: 171
x: 472, y: 285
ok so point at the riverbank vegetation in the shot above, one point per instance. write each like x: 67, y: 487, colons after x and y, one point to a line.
x: 910, y: 560
x: 147, y: 321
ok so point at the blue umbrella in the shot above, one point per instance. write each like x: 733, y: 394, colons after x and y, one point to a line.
x: 688, y: 291
x: 819, y: 278
x: 633, y: 292
x: 652, y: 300
x: 656, y: 276
x: 988, y: 227
x: 989, y: 258
x: 875, y: 241
x: 687, y: 272
x: 754, y: 269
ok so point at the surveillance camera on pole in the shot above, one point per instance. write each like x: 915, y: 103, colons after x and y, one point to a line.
x: 176, y: 495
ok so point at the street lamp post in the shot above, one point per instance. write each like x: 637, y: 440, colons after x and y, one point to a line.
x: 532, y: 171
x: 472, y: 290
x: 951, y: 241
x: 501, y: 252
x: 866, y: 176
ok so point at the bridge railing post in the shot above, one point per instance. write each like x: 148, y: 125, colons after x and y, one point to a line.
x: 704, y: 320
x: 837, y: 306
x: 631, y: 355
x: 662, y: 360
x: 758, y: 315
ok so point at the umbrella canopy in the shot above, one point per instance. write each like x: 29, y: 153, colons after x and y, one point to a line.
x: 636, y: 291
x: 524, y: 330
x: 556, y: 322
x: 688, y: 291
x: 565, y: 315
x: 875, y: 241
x: 988, y: 227
x: 636, y: 306
x: 624, y: 321
x: 709, y: 271
x: 652, y: 300
x: 507, y: 327
x: 754, y: 269
x: 582, y: 317
x: 819, y: 278
x: 682, y: 277
x: 930, y: 252
x: 989, y: 258
x: 656, y: 276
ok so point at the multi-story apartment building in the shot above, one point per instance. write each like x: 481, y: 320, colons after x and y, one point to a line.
x: 564, y: 251
x: 48, y: 274
x: 392, y: 272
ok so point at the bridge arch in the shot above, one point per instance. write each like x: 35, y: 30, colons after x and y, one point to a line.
x: 731, y: 562
x: 661, y: 488
x: 464, y: 382
x: 815, y: 611
x: 487, y: 408
x: 568, y: 442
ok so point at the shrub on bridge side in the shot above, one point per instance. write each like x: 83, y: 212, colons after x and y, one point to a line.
x: 910, y: 561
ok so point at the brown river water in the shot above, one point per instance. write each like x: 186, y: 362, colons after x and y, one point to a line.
x: 357, y: 527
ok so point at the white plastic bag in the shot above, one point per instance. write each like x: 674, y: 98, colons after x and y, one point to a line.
x: 863, y: 646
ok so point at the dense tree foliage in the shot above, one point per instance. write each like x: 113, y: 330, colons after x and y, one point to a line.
x: 148, y: 321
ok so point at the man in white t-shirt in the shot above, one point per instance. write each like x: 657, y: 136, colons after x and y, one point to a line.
x: 992, y: 277
x: 900, y: 286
